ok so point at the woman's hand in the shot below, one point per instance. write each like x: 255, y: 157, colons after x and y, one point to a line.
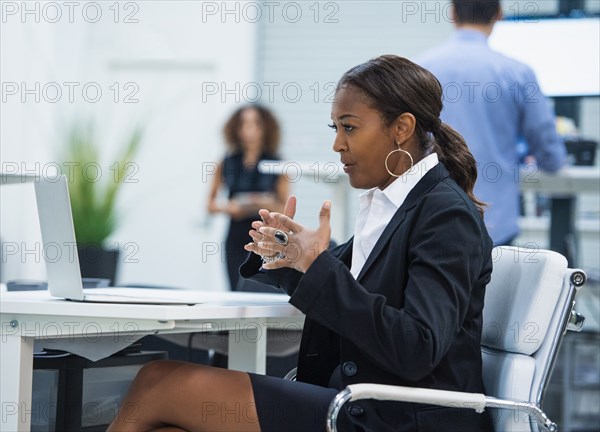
x: 213, y: 207
x: 260, y: 201
x: 235, y: 210
x: 232, y: 208
x: 251, y: 203
x: 279, y: 234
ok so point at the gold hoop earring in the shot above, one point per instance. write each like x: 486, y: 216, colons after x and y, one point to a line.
x: 394, y: 151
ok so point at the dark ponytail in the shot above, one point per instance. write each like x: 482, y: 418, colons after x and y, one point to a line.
x: 453, y: 152
x: 394, y: 86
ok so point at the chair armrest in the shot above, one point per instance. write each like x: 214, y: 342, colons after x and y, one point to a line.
x: 291, y: 375
x: 453, y: 399
x: 446, y: 398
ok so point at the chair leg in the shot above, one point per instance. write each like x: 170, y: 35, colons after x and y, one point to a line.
x: 532, y: 409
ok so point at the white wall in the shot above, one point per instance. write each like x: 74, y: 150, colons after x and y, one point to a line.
x: 167, y: 58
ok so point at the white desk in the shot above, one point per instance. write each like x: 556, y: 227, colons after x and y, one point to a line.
x: 563, y: 189
x: 569, y: 180
x: 27, y: 316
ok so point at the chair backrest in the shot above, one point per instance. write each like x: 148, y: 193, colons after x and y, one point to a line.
x: 528, y: 303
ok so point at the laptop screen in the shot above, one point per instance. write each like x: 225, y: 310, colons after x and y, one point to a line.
x: 58, y: 237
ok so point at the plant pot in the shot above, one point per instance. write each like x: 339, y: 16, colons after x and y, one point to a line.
x: 98, y: 262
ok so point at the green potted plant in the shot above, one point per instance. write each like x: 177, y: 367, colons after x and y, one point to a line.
x: 93, y: 191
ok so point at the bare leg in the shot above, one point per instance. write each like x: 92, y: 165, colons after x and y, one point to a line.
x: 185, y: 396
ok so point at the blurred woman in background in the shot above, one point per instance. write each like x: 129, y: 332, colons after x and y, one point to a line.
x: 252, y: 135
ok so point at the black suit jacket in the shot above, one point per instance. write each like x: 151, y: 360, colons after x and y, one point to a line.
x: 413, y: 317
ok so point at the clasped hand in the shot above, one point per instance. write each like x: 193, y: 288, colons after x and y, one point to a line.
x: 299, y: 247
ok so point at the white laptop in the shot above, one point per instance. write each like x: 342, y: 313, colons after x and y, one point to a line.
x: 64, y: 276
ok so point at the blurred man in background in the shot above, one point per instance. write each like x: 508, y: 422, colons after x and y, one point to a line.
x: 494, y: 102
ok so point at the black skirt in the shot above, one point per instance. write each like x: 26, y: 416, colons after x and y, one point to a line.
x: 290, y: 406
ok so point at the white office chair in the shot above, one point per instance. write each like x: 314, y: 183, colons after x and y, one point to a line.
x: 528, y: 308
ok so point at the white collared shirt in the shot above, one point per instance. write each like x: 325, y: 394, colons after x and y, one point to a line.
x: 377, y: 207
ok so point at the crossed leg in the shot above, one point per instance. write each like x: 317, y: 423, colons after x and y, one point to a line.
x: 176, y: 396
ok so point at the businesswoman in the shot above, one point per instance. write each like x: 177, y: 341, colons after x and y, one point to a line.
x: 400, y: 303
x: 252, y: 136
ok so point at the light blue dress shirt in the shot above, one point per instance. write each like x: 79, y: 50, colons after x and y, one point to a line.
x: 494, y: 101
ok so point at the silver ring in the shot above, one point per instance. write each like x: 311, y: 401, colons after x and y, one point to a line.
x: 270, y: 259
x: 281, y: 237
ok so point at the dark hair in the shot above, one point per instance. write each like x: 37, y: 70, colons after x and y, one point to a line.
x: 476, y: 11
x: 231, y: 130
x: 394, y: 85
